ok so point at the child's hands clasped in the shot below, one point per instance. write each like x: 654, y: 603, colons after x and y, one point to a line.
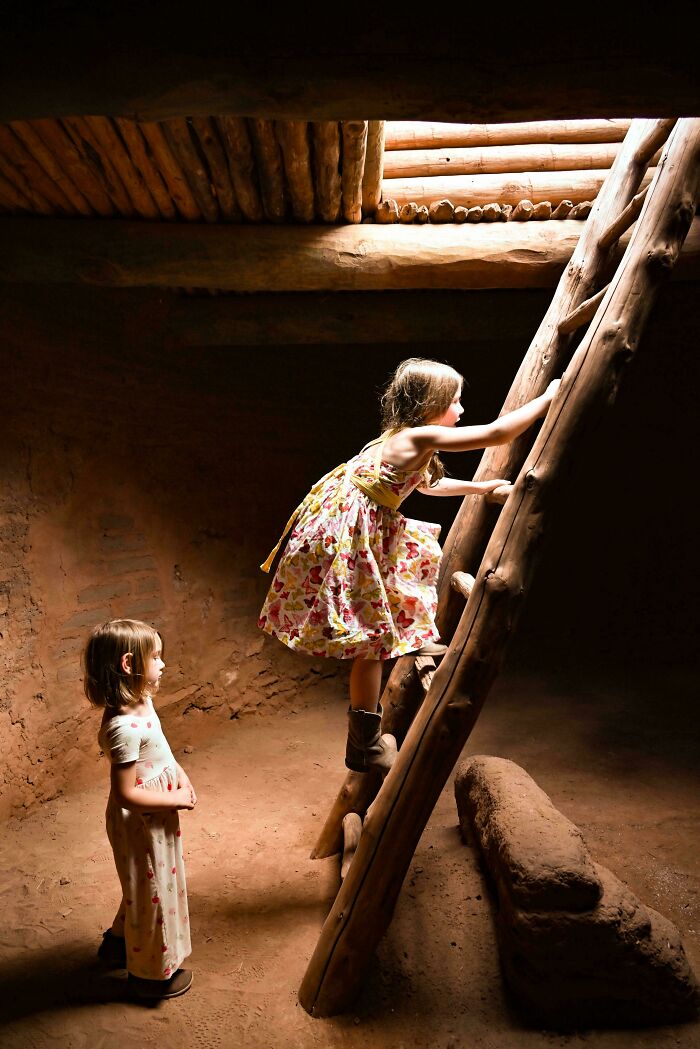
x: 184, y: 797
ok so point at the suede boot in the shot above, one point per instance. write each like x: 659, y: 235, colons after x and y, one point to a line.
x: 366, y: 748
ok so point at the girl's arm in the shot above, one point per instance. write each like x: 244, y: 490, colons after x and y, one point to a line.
x: 453, y: 486
x: 183, y: 780
x: 129, y: 795
x: 422, y: 439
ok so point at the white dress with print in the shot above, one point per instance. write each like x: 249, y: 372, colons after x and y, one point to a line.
x: 153, y: 915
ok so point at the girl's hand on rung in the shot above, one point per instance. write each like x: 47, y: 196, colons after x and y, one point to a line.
x: 491, y: 486
x: 551, y: 390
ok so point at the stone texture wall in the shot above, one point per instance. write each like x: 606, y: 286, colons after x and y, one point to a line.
x: 139, y: 479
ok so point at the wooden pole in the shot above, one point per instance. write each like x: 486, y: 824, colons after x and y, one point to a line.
x: 354, y: 147
x: 366, y: 900
x: 470, y: 190
x: 326, y: 139
x: 546, y: 356
x: 173, y: 175
x: 36, y: 203
x: 491, y: 160
x: 57, y: 141
x: 422, y: 134
x: 241, y: 162
x: 100, y: 164
x: 219, y: 177
x: 270, y: 171
x: 374, y: 167
x: 179, y: 136
x: 38, y: 150
x: 141, y: 158
x: 32, y: 172
x: 112, y: 146
x: 293, y: 137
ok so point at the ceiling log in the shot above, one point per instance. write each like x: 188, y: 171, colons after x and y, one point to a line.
x: 421, y: 134
x: 297, y: 258
x: 470, y: 190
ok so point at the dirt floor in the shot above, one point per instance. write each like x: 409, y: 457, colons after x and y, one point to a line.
x: 618, y: 757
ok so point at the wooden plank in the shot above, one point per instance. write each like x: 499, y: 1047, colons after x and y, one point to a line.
x: 365, y: 903
x: 241, y: 162
x: 297, y: 258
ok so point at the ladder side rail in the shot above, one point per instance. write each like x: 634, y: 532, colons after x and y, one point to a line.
x: 364, y: 906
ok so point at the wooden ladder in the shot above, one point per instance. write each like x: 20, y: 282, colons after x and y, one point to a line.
x: 432, y: 711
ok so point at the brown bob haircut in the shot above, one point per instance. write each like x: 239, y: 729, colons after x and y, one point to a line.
x: 105, y: 683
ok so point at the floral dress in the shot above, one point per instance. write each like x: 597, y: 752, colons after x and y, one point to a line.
x: 356, y: 578
x: 147, y: 847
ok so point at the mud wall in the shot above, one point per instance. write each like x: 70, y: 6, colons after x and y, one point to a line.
x: 143, y: 480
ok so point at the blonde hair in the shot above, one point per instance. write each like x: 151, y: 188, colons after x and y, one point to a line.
x: 419, y: 390
x: 106, y: 683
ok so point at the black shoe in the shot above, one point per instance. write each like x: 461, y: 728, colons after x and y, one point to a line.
x: 112, y: 950
x: 156, y: 990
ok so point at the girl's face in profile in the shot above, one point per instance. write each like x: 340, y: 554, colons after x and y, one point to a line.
x: 154, y: 667
x: 454, y: 412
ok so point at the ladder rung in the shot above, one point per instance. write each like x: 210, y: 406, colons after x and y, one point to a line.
x: 425, y: 668
x: 463, y: 583
x: 583, y: 313
x: 623, y: 221
x: 352, y: 829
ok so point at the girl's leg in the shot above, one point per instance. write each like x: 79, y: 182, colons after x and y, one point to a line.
x: 366, y: 747
x: 365, y: 684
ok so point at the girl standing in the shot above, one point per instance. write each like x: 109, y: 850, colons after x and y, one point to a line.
x: 150, y: 934
x: 357, y: 580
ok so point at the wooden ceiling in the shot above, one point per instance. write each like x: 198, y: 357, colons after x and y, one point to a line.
x: 284, y: 157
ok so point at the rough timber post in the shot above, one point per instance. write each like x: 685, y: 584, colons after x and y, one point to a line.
x: 546, y: 357
x: 365, y: 903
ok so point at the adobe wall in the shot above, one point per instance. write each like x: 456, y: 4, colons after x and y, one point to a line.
x: 149, y: 481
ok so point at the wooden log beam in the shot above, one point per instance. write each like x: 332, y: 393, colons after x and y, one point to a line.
x: 58, y: 143
x: 33, y: 174
x: 178, y: 134
x: 326, y: 139
x: 269, y: 167
x: 374, y: 167
x: 298, y: 258
x: 365, y: 903
x: 293, y: 137
x: 219, y: 179
x: 173, y: 175
x: 55, y: 66
x: 241, y: 162
x: 354, y: 133
x: 491, y: 160
x: 55, y: 172
x: 100, y: 163
x: 144, y: 162
x: 470, y: 190
x: 546, y: 356
x: 423, y: 134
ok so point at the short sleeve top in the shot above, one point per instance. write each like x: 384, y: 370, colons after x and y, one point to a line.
x: 139, y: 738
